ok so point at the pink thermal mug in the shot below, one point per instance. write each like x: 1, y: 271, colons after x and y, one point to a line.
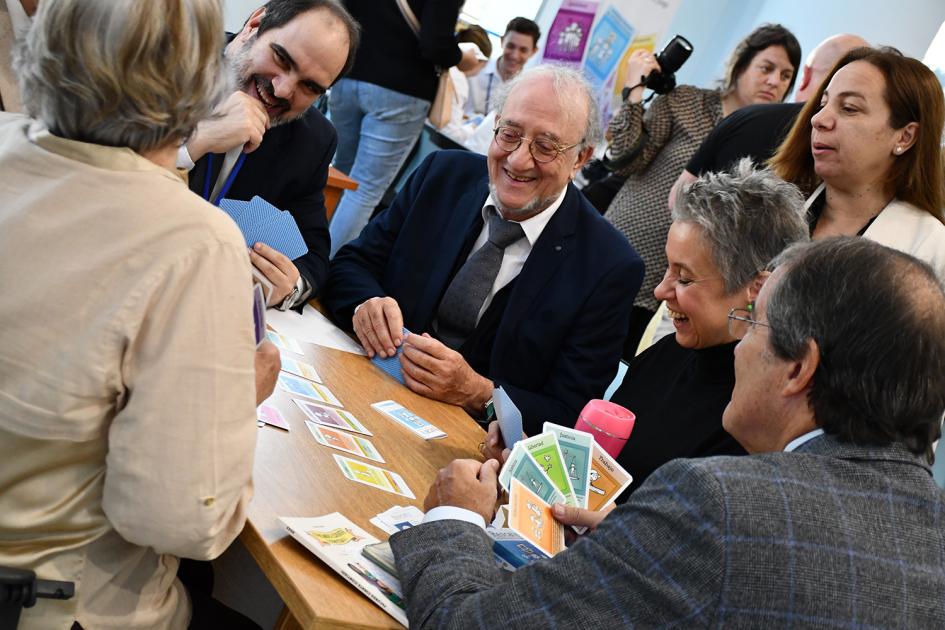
x: 609, y: 423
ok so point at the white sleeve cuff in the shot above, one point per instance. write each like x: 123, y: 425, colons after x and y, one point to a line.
x: 450, y: 512
x: 183, y: 158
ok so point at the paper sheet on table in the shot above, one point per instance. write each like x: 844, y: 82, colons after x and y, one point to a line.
x: 313, y: 327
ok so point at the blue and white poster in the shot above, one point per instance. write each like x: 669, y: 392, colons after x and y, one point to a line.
x: 610, y: 38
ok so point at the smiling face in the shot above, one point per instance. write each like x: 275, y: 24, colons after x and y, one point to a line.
x: 694, y: 290
x: 520, y: 186
x: 851, y: 136
x: 767, y: 77
x: 288, y: 67
x: 517, y: 48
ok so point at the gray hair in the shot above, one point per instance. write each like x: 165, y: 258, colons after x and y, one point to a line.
x: 852, y: 296
x: 748, y: 217
x: 123, y: 73
x: 568, y: 83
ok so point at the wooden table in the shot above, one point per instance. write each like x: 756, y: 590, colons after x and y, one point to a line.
x: 338, y: 182
x: 296, y: 476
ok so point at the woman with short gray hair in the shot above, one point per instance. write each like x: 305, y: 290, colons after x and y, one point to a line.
x: 726, y: 229
x: 127, y: 354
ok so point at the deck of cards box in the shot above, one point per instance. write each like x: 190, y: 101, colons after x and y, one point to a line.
x: 560, y: 465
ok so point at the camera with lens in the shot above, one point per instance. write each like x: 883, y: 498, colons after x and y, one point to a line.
x: 670, y: 59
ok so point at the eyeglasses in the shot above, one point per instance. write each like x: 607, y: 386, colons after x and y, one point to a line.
x: 740, y: 321
x: 543, y: 150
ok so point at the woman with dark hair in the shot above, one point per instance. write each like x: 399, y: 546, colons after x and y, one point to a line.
x: 651, y: 146
x: 866, y: 148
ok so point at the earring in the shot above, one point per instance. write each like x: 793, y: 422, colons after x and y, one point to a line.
x: 898, y: 150
x: 750, y: 307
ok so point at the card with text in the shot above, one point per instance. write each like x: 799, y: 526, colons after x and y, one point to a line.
x: 531, y: 518
x: 576, y: 450
x: 608, y: 480
x: 271, y: 415
x: 303, y: 387
x: 337, y: 418
x: 283, y: 342
x: 333, y: 438
x: 300, y: 369
x: 406, y: 418
x: 373, y: 476
x: 521, y: 466
x: 544, y: 450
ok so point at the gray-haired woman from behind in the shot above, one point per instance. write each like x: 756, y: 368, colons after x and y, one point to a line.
x: 726, y: 229
x: 129, y: 374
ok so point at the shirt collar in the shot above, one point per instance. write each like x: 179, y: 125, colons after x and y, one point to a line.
x: 803, y: 439
x: 533, y: 226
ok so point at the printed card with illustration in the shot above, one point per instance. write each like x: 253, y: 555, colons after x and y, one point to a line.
x: 272, y: 416
x: 521, y: 466
x: 340, y: 544
x: 300, y: 368
x: 333, y: 438
x: 608, y: 480
x: 408, y: 419
x: 373, y: 476
x: 303, y: 387
x: 283, y: 342
x: 544, y: 450
x: 337, y: 418
x: 531, y: 518
x: 509, y: 417
x: 576, y: 450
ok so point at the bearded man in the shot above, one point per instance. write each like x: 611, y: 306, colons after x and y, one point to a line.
x: 268, y: 140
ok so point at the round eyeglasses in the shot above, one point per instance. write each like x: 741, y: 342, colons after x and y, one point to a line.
x: 543, y: 150
x: 740, y: 322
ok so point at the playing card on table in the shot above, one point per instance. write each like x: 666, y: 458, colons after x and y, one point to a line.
x: 398, y: 518
x: 302, y: 387
x: 521, y: 466
x: 283, y: 342
x: 338, y: 418
x: 531, y: 517
x: 391, y: 365
x: 576, y: 449
x: 271, y: 415
x: 406, y: 418
x: 333, y: 438
x: 373, y: 476
x: 544, y: 450
x: 300, y: 369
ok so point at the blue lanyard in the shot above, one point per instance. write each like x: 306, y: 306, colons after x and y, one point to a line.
x: 227, y: 184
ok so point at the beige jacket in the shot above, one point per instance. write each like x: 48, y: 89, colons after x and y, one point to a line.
x: 127, y: 396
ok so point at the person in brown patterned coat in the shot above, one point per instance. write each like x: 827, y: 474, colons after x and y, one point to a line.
x: 654, y: 144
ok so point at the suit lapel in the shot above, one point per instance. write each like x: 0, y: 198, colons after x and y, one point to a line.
x: 548, y: 253
x: 9, y: 90
x: 465, y: 217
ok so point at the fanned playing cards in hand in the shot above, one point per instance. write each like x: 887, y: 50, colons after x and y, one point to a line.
x: 262, y: 222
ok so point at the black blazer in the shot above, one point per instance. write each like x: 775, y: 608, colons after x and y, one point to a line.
x: 290, y: 171
x: 561, y: 333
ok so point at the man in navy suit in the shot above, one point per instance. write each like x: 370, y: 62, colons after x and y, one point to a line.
x: 550, y: 327
x: 832, y: 521
x: 268, y: 140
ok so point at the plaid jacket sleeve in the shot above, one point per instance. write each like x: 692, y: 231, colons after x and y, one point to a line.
x: 656, y: 561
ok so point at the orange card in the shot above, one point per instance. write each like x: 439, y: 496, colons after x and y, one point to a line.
x: 532, y: 519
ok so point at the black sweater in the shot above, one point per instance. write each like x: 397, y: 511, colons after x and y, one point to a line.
x: 678, y: 396
x: 391, y: 55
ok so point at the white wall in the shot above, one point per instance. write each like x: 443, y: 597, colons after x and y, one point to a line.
x: 235, y: 12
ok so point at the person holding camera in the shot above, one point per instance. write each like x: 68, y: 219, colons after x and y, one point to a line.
x: 651, y: 146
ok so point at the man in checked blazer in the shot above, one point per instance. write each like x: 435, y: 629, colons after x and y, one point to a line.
x: 834, y: 521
